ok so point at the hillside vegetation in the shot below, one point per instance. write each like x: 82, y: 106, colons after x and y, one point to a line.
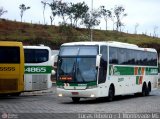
x: 54, y: 36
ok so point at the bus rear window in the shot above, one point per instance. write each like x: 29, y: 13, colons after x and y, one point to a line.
x: 36, y: 55
x: 9, y: 54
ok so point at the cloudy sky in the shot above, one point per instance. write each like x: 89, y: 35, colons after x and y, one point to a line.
x: 142, y: 12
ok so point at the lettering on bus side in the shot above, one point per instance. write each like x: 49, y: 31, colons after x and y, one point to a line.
x: 7, y: 69
x: 38, y: 69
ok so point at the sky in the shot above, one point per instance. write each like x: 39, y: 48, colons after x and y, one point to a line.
x: 145, y: 13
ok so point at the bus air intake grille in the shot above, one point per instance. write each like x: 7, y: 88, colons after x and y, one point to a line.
x: 8, y: 84
x: 39, y: 82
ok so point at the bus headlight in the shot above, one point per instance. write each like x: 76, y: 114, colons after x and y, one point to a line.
x: 60, y: 95
x: 92, y: 95
x: 89, y: 87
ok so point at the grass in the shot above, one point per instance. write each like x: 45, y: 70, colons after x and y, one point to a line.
x: 54, y: 36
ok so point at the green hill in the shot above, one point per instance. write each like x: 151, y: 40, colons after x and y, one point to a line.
x: 54, y: 36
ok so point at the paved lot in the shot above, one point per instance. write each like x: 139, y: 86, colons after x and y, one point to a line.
x: 37, y: 104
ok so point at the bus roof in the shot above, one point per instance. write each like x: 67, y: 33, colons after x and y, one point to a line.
x: 36, y: 47
x: 111, y: 43
x: 10, y: 43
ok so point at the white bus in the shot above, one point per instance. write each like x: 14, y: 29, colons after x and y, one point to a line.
x: 105, y: 69
x: 38, y: 68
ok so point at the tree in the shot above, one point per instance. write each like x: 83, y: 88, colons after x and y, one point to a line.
x: 70, y: 14
x: 120, y: 26
x: 112, y: 17
x: 62, y: 10
x: 51, y: 18
x: 91, y: 19
x: 155, y: 31
x: 53, y: 7
x: 44, y: 7
x: 106, y: 14
x: 136, y: 26
x: 119, y: 14
x: 23, y: 8
x: 77, y: 11
x: 2, y: 11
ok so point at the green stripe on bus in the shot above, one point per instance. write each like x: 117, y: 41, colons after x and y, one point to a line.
x: 38, y: 69
x: 151, y: 71
x: 59, y: 83
x: 123, y: 70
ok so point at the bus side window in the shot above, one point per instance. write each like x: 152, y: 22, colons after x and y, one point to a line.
x: 103, y: 65
x: 122, y: 56
x: 113, y: 55
x: 130, y: 57
x: 154, y: 59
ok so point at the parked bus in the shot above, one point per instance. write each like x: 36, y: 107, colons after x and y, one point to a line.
x: 38, y: 68
x: 105, y: 69
x: 11, y: 68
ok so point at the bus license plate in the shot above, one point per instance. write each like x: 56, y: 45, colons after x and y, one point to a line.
x: 75, y: 93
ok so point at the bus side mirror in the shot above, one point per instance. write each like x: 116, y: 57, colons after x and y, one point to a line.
x: 98, y: 59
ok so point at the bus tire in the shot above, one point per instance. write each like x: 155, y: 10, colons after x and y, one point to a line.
x: 16, y: 94
x: 145, y: 91
x: 111, y: 94
x: 149, y: 88
x: 75, y: 99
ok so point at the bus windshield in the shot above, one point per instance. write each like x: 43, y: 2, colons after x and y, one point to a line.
x: 79, y: 51
x: 79, y: 69
x: 78, y: 63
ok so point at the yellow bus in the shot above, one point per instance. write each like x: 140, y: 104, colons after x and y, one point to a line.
x: 11, y: 68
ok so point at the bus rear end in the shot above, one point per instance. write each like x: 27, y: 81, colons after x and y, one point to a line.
x: 11, y: 67
x: 37, y: 68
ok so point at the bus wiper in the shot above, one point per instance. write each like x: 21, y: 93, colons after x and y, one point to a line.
x: 80, y: 73
x: 74, y: 68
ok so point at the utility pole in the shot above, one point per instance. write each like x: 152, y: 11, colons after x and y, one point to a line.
x: 91, y: 20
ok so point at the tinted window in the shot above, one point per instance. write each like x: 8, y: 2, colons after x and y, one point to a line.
x: 138, y: 57
x: 153, y: 60
x: 113, y: 55
x: 130, y: 55
x: 36, y: 55
x: 146, y: 58
x: 9, y: 54
x: 103, y: 64
x: 122, y: 56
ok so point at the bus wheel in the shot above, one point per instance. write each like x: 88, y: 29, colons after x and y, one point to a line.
x: 75, y: 99
x: 16, y: 94
x: 145, y: 91
x: 149, y: 88
x: 111, y: 94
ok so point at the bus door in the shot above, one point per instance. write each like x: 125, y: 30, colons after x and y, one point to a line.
x: 103, y: 69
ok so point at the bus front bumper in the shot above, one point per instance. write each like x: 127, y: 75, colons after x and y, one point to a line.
x: 87, y: 93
